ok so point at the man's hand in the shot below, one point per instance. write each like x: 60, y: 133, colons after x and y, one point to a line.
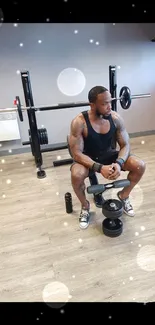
x: 107, y: 171
x: 117, y: 171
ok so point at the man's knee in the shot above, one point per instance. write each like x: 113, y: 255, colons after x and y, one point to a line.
x: 138, y: 165
x: 141, y: 166
x: 135, y: 164
x: 79, y: 173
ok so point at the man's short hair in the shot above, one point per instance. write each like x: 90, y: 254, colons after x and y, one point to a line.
x: 94, y: 92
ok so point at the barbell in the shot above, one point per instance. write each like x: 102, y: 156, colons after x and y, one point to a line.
x: 125, y: 99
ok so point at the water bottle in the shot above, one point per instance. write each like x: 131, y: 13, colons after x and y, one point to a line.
x: 68, y: 202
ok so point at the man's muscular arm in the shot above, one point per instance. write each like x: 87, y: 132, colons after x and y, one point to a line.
x: 122, y: 138
x: 76, y: 143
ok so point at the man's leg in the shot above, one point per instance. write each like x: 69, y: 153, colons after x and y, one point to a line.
x: 136, y: 168
x: 78, y: 175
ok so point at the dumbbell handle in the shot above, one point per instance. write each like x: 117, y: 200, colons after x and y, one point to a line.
x: 100, y: 188
x: 93, y: 189
x: 121, y: 183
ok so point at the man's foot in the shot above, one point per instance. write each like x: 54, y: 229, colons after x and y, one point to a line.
x: 127, y: 207
x: 98, y: 199
x: 84, y: 217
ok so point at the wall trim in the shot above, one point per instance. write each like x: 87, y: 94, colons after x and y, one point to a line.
x: 141, y: 134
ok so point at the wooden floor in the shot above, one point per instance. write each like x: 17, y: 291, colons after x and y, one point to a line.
x: 44, y: 256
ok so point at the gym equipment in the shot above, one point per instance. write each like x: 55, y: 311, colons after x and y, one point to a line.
x: 43, y: 139
x: 36, y: 143
x: 125, y: 102
x: 113, y: 86
x: 112, y: 209
x: 112, y: 226
x: 37, y: 138
x: 125, y: 96
x: 113, y: 92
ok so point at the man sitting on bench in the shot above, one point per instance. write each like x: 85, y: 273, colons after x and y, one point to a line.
x: 90, y: 139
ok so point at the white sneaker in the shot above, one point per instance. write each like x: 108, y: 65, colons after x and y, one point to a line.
x: 84, y: 218
x: 127, y: 207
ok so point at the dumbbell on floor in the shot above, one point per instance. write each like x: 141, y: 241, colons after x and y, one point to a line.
x: 112, y: 226
x: 112, y: 209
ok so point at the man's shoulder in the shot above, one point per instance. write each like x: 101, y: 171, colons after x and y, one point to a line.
x: 78, y: 124
x: 115, y: 115
x: 116, y: 118
x: 78, y: 119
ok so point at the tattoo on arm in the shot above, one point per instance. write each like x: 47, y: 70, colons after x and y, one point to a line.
x: 76, y: 143
x: 76, y: 139
x: 122, y: 138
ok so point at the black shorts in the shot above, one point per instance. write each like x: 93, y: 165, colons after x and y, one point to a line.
x: 109, y: 159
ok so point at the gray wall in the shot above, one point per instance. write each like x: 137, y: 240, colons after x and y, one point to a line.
x: 126, y: 45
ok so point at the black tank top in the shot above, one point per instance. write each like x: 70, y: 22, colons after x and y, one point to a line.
x: 97, y: 145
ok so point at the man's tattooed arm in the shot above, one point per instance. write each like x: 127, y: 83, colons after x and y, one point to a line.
x: 122, y: 137
x: 76, y: 143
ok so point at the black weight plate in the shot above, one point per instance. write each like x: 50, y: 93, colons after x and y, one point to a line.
x: 110, y: 211
x: 19, y: 108
x: 46, y: 137
x: 110, y: 229
x: 125, y: 97
x: 43, y: 137
x: 112, y: 205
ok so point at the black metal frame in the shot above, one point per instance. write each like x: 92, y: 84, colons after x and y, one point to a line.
x: 25, y: 76
x: 113, y: 86
x: 35, y: 138
x: 26, y: 83
x: 35, y: 144
x: 113, y: 91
